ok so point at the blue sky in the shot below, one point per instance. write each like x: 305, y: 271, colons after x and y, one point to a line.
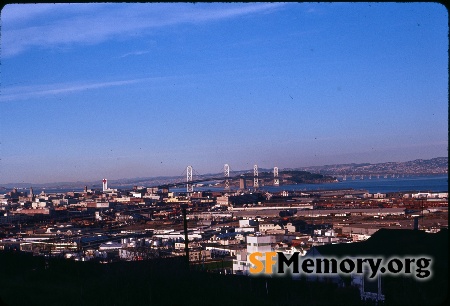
x: 135, y: 90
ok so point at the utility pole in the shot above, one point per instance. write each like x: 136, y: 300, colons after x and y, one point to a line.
x: 186, y: 241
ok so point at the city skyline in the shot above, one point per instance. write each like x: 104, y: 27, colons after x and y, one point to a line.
x: 273, y: 84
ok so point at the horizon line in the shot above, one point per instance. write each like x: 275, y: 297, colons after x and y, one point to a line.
x: 205, y: 174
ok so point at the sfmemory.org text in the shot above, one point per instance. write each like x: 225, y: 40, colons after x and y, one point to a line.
x: 279, y: 263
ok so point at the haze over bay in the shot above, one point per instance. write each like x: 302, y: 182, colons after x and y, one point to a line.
x: 437, y: 168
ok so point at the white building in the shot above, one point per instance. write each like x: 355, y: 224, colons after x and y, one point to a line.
x: 248, y: 223
x: 222, y: 201
x: 255, y: 243
x: 259, y: 243
x: 109, y: 246
x: 240, y: 265
x: 379, y: 195
x: 267, y: 226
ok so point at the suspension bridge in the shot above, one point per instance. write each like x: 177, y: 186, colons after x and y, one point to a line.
x: 191, y: 178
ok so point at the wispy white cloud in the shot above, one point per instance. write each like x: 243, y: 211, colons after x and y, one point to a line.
x: 12, y: 92
x: 134, y: 53
x: 22, y: 13
x: 54, y: 25
x: 26, y: 92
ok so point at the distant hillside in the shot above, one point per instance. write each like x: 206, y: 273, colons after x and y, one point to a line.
x: 302, y: 177
x: 438, y: 165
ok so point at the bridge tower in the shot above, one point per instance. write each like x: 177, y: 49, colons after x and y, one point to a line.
x: 226, y: 173
x: 276, y: 179
x: 255, y: 176
x: 189, y: 185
